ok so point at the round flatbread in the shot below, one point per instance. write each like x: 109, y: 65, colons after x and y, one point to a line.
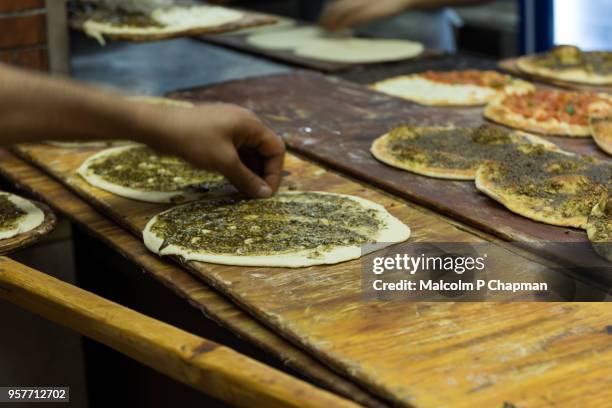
x: 18, y: 215
x: 549, y: 112
x: 292, y: 229
x: 359, y: 50
x: 282, y: 23
x: 139, y: 173
x: 599, y: 227
x: 285, y: 39
x: 161, y: 23
x: 452, y: 88
x: 600, y: 122
x: 448, y: 152
x: 153, y: 100
x: 553, y: 187
x: 569, y: 63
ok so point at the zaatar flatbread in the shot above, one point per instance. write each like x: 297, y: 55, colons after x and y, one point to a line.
x: 161, y: 23
x: 452, y: 88
x: 18, y: 215
x: 153, y: 100
x: 553, y: 187
x: 569, y: 63
x: 448, y: 152
x: 599, y: 227
x: 600, y: 122
x: 291, y: 229
x: 139, y: 173
x: 549, y: 112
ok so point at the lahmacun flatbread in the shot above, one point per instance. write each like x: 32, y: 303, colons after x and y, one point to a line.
x: 570, y: 64
x: 452, y: 88
x: 600, y: 122
x: 545, y: 111
x: 448, y: 152
x: 552, y: 187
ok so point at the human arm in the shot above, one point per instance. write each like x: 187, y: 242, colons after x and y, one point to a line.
x: 342, y: 14
x: 220, y: 137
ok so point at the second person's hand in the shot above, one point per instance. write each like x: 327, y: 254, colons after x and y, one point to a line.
x: 342, y: 14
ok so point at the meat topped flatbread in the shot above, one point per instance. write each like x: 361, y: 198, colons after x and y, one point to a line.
x: 599, y: 227
x: 448, y: 152
x: 600, y: 121
x: 452, y: 88
x: 553, y: 187
x: 291, y: 229
x: 569, y: 63
x: 550, y: 112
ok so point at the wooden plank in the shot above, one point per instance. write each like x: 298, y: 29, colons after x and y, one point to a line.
x: 238, y: 41
x: 24, y: 240
x: 509, y: 65
x: 335, y: 122
x: 413, y: 354
x: 205, y: 365
x: 207, y: 300
x: 249, y: 19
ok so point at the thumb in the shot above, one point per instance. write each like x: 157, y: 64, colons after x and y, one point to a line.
x: 245, y: 180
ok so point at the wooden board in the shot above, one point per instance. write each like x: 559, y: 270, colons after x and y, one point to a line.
x: 413, y: 354
x: 26, y: 239
x: 509, y: 65
x: 249, y: 19
x: 238, y: 41
x: 335, y: 122
x: 212, y: 304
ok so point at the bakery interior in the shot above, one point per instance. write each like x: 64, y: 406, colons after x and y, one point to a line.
x: 91, y: 308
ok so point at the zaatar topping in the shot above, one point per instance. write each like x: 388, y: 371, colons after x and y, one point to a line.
x: 143, y: 169
x: 282, y: 224
x: 569, y: 57
x: 120, y: 18
x: 602, y: 222
x: 10, y: 214
x: 570, y: 184
x: 454, y: 148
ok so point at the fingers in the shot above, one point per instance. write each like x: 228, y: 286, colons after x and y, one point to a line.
x: 341, y: 14
x: 243, y: 178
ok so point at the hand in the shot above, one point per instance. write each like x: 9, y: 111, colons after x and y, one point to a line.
x: 343, y: 14
x: 227, y: 139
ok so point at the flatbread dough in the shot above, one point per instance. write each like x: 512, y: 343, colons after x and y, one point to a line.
x: 282, y: 23
x: 553, y: 187
x: 153, y: 100
x: 292, y: 229
x: 448, y: 152
x: 359, y: 50
x: 599, y: 227
x: 544, y: 111
x: 162, y: 23
x: 600, y: 122
x: 137, y: 172
x: 569, y: 63
x: 424, y: 89
x: 315, y: 43
x: 18, y: 215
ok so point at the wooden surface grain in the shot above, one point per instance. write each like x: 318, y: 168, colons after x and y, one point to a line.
x: 26, y: 239
x: 413, y: 354
x: 211, y: 303
x: 509, y: 65
x: 203, y: 364
x: 248, y: 20
x: 335, y: 122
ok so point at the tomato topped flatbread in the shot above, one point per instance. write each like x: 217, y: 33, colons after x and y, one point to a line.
x: 545, y: 111
x: 452, y: 88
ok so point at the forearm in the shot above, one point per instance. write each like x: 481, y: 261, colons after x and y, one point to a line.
x: 34, y: 107
x: 436, y: 4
